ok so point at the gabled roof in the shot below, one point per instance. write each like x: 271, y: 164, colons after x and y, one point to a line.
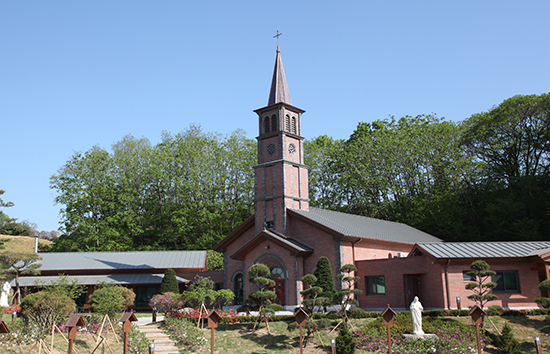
x: 294, y: 246
x: 365, y: 227
x: 279, y: 88
x: 484, y: 249
x: 122, y: 260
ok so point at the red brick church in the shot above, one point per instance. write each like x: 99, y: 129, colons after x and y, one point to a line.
x: 285, y: 233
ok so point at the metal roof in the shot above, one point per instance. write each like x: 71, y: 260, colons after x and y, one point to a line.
x: 124, y: 278
x: 486, y: 249
x: 365, y: 227
x: 122, y: 260
x: 279, y: 88
x: 298, y: 246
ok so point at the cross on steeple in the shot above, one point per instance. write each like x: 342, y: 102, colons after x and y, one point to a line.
x: 277, y: 36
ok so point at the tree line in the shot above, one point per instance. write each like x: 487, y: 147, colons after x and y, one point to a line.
x: 485, y: 178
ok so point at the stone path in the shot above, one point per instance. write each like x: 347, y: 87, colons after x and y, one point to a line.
x: 163, y: 344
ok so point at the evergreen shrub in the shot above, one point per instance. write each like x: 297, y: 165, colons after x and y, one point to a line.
x: 169, y: 283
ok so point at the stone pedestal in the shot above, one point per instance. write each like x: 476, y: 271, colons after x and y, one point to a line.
x: 420, y: 336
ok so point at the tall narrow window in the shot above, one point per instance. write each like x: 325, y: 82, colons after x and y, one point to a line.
x: 287, y: 123
x: 273, y: 124
x: 266, y: 125
x: 238, y: 286
x: 293, y: 128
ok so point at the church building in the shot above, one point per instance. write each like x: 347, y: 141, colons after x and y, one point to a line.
x: 285, y: 233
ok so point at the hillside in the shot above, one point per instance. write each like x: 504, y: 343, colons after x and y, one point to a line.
x: 21, y: 243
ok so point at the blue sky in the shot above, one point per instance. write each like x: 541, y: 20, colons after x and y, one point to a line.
x: 74, y: 74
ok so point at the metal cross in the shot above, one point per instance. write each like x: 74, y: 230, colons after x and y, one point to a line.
x: 277, y: 35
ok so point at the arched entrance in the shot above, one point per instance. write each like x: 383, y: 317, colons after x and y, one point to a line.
x: 279, y: 274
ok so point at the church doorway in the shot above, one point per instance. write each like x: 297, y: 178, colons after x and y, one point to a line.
x: 413, y: 288
x: 277, y: 274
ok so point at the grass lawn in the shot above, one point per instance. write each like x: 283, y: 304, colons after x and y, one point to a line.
x: 240, y: 338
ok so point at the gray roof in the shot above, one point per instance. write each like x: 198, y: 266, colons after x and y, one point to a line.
x: 290, y: 241
x: 365, y: 227
x: 124, y: 278
x: 122, y: 260
x: 486, y: 249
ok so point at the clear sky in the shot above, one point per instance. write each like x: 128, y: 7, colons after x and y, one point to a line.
x: 74, y: 74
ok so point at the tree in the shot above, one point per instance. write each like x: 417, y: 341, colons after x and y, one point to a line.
x: 262, y: 298
x: 110, y: 299
x: 46, y: 308
x: 513, y: 138
x: 19, y: 263
x: 4, y: 204
x: 507, y: 343
x: 311, y: 301
x: 169, y: 283
x: 344, y: 341
x: 215, y: 260
x: 480, y: 285
x: 349, y: 292
x: 325, y: 279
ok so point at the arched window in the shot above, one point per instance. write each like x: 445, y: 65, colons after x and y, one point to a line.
x: 267, y: 126
x: 238, y: 286
x: 293, y: 127
x: 277, y: 273
x: 273, y: 124
x: 287, y: 123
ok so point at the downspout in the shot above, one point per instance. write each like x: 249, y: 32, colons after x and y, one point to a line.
x: 353, y: 250
x: 447, y: 284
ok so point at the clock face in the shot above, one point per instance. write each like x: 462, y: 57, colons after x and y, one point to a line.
x: 292, y: 149
x: 270, y: 149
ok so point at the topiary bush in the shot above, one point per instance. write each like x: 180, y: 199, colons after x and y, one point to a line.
x: 344, y: 341
x: 111, y: 299
x: 169, y: 283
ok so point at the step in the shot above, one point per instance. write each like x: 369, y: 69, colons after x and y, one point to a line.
x: 163, y: 343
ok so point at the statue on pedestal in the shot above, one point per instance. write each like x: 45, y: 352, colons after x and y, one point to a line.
x: 5, y: 291
x: 416, y: 312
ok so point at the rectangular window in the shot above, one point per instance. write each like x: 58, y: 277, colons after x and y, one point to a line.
x: 376, y: 285
x: 507, y: 281
x: 466, y: 277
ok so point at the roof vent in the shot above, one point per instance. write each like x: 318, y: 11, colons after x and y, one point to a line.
x: 401, y: 254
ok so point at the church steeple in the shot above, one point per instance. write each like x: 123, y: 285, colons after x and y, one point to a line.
x: 279, y: 88
x: 281, y: 181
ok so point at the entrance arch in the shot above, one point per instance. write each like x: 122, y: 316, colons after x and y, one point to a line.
x: 279, y: 274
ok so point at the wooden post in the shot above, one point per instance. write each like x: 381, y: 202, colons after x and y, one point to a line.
x: 477, y: 314
x: 301, y: 317
x: 127, y: 320
x: 213, y: 319
x: 71, y: 324
x: 387, y: 316
x: 538, y: 345
x: 333, y: 345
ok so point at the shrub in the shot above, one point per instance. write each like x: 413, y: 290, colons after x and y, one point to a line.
x: 357, y: 312
x: 169, y: 283
x: 46, y: 308
x: 166, y: 302
x: 507, y: 342
x: 494, y: 310
x: 344, y: 341
x: 186, y: 333
x: 111, y: 299
x: 325, y: 278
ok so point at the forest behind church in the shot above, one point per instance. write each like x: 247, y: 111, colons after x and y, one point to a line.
x: 485, y: 178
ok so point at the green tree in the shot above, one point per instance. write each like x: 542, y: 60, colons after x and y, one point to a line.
x: 63, y: 285
x: 349, y: 292
x: 507, y: 343
x: 169, y: 283
x: 215, y: 260
x: 513, y: 138
x: 17, y: 264
x: 46, y: 308
x: 262, y: 299
x: 111, y: 299
x: 481, y: 285
x: 4, y: 204
x: 344, y: 341
x: 325, y: 279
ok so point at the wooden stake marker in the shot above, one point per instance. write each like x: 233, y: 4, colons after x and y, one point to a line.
x: 127, y: 320
x: 301, y: 317
x: 387, y: 316
x: 213, y: 319
x: 477, y: 314
x: 72, y: 323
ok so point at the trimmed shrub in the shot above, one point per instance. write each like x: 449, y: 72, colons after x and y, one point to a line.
x: 111, y: 299
x: 169, y: 283
x: 344, y: 341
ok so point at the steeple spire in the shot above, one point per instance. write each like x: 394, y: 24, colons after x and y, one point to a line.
x: 279, y: 88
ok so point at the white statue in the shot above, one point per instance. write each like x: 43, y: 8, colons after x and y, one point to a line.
x: 5, y: 291
x: 416, y: 311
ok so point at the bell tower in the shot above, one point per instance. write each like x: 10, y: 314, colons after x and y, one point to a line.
x: 281, y: 178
